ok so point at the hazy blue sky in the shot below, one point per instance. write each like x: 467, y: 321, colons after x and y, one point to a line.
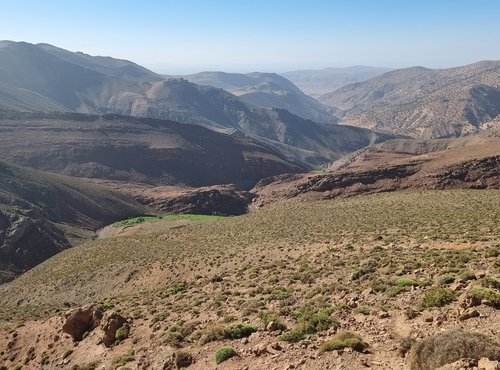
x: 274, y: 35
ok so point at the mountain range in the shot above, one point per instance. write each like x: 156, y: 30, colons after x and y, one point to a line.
x: 45, y: 78
x: 422, y: 102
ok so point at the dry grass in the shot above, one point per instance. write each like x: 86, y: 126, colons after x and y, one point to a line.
x: 451, y: 346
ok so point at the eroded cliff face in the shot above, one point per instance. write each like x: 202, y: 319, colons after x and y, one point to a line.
x: 26, y: 239
x: 482, y: 173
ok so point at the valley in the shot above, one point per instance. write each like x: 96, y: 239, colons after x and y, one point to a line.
x: 332, y: 218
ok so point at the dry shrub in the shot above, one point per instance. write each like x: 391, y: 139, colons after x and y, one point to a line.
x: 451, y: 346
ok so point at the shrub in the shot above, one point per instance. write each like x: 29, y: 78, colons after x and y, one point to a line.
x: 486, y: 294
x: 405, y: 281
x: 451, y: 346
x: 446, y: 279
x: 122, y: 332
x: 493, y: 252
x: 223, y: 354
x: 91, y: 366
x: 238, y: 331
x: 123, y: 359
x: 310, y: 323
x: 344, y: 340
x: 235, y: 331
x: 437, y: 297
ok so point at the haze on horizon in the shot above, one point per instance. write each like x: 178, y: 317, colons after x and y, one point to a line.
x: 176, y: 37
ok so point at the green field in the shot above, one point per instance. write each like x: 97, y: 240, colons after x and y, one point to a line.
x: 142, y: 219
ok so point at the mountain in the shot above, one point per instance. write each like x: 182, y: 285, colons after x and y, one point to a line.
x: 45, y: 78
x: 41, y: 214
x: 317, y: 82
x: 421, y: 102
x: 267, y: 90
x: 135, y: 149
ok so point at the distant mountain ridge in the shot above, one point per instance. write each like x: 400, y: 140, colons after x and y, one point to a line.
x: 266, y: 90
x: 317, y: 82
x: 422, y: 102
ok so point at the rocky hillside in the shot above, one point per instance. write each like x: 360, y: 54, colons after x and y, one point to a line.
x: 468, y: 162
x: 268, y: 90
x: 423, y: 103
x: 42, y: 214
x: 136, y: 150
x: 401, y: 280
x: 317, y: 82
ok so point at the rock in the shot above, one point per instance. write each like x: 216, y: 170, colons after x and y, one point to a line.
x: 457, y: 286
x: 469, y: 301
x: 183, y: 359
x: 469, y: 314
x: 110, y: 323
x: 260, y: 349
x: 383, y: 315
x: 273, y: 326
x: 486, y: 364
x: 462, y: 364
x: 81, y: 320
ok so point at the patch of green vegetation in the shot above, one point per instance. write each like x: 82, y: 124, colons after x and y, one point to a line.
x: 238, y: 331
x: 310, y: 323
x: 123, y: 359
x: 446, y: 279
x: 224, y: 353
x: 141, y: 219
x: 486, y: 294
x: 235, y: 331
x: 344, y: 340
x: 90, y: 366
x: 122, y: 332
x: 437, y: 297
x: 405, y: 281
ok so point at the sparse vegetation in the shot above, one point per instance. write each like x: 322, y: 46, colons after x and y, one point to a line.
x: 292, y: 265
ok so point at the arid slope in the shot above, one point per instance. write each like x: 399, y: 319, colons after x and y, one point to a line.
x: 389, y: 268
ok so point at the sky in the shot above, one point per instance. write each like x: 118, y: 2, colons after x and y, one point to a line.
x: 186, y: 36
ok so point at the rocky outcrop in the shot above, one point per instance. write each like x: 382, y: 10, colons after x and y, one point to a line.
x: 224, y: 200
x: 481, y: 173
x: 81, y: 321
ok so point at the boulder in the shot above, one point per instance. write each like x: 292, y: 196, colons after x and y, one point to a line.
x: 469, y: 314
x: 81, y: 320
